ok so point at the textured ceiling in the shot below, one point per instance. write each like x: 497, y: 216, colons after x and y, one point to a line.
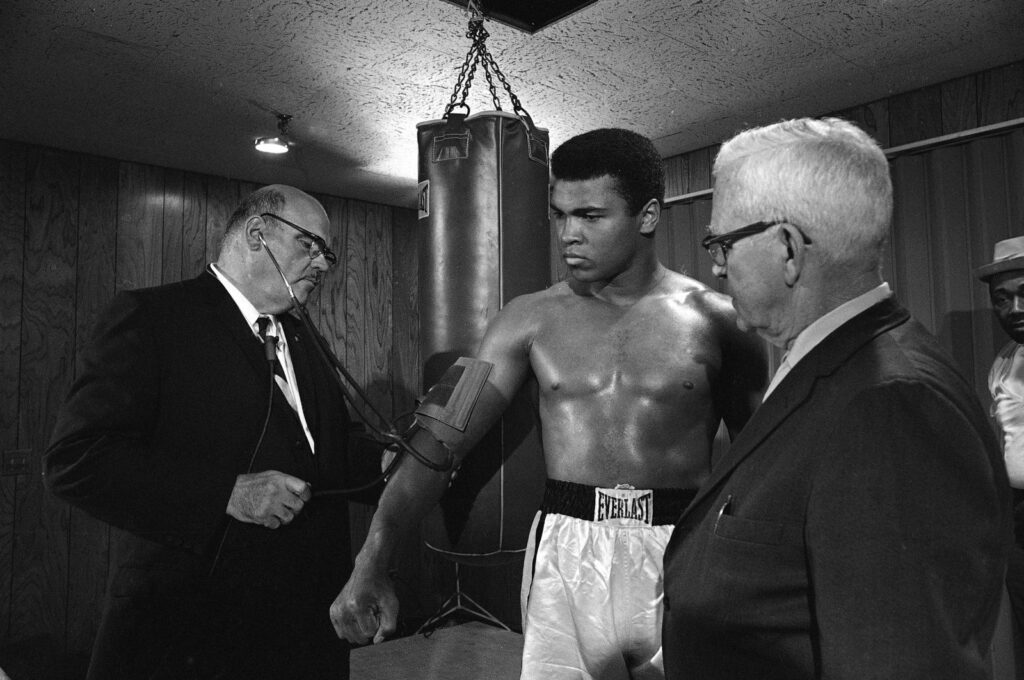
x: 190, y: 83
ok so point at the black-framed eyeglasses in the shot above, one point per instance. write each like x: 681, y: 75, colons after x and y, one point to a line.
x: 317, y: 245
x: 718, y: 245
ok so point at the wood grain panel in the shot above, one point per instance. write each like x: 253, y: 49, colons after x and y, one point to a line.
x: 329, y: 311
x: 684, y: 257
x: 40, y: 555
x: 331, y: 315
x: 356, y: 277
x: 140, y: 216
x: 959, y: 102
x: 407, y: 380
x: 88, y: 538
x: 1015, y: 172
x: 244, y: 189
x: 12, y: 250
x: 221, y: 201
x: 690, y: 257
x: 194, y: 257
x: 948, y: 226
x: 699, y: 164
x: 665, y: 237
x: 172, y: 224
x: 915, y: 116
x: 353, y: 353
x: 913, y: 269
x: 988, y: 225
x: 330, y: 298
x: 377, y: 326
x: 1001, y: 94
x: 676, y: 176
x: 378, y: 323
x: 361, y: 226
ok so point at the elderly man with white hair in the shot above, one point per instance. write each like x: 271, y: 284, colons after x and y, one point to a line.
x: 859, y: 525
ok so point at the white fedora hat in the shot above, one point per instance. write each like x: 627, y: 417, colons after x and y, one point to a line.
x: 1008, y: 255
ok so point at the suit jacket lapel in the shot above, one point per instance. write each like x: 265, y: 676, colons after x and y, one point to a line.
x: 224, y: 317
x: 796, y: 387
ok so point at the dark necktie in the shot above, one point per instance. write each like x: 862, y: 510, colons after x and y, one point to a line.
x: 269, y: 345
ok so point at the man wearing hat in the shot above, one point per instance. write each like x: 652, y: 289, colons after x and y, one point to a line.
x: 1005, y: 279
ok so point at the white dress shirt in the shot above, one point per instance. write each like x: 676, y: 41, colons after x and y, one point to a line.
x: 1006, y: 384
x: 818, y: 330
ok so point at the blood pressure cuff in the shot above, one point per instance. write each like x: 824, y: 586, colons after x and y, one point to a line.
x: 448, y: 405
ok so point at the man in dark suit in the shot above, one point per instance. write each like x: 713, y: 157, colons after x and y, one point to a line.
x: 858, y: 527
x: 203, y: 443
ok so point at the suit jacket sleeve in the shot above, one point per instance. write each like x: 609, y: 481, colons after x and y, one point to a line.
x: 904, y: 515
x: 103, y: 456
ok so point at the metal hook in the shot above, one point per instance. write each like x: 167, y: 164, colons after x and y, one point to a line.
x: 282, y: 122
x: 475, y: 10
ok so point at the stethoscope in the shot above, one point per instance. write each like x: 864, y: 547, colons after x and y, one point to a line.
x: 386, y: 430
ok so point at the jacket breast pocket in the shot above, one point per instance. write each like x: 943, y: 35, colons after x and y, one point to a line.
x: 760, y: 532
x: 756, y: 570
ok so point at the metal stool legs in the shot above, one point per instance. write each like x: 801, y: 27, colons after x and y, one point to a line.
x: 459, y: 602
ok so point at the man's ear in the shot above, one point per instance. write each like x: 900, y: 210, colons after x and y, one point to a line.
x: 253, y: 230
x: 796, y: 252
x: 649, y: 216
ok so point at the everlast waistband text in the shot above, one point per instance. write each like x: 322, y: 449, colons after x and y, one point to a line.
x: 624, y: 504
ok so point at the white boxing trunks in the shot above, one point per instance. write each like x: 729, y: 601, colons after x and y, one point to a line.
x: 592, y: 582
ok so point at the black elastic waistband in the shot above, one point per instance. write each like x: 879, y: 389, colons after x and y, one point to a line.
x: 577, y: 500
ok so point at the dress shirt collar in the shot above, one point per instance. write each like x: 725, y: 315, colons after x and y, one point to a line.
x: 821, y: 328
x: 244, y: 306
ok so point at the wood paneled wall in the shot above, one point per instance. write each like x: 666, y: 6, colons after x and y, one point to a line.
x: 75, y: 229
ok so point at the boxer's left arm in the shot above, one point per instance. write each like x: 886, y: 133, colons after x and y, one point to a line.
x: 367, y: 608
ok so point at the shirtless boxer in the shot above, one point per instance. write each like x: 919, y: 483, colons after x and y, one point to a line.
x: 636, y: 367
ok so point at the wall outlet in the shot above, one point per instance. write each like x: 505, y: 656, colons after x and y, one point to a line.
x: 16, y: 462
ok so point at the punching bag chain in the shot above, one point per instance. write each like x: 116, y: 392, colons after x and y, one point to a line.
x: 478, y: 54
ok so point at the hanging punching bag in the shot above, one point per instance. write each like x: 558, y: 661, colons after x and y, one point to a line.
x: 483, y: 240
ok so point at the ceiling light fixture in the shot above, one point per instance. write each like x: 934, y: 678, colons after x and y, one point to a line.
x: 281, y: 142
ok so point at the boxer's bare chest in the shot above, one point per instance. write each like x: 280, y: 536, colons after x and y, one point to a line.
x: 661, y: 349
x: 625, y: 391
